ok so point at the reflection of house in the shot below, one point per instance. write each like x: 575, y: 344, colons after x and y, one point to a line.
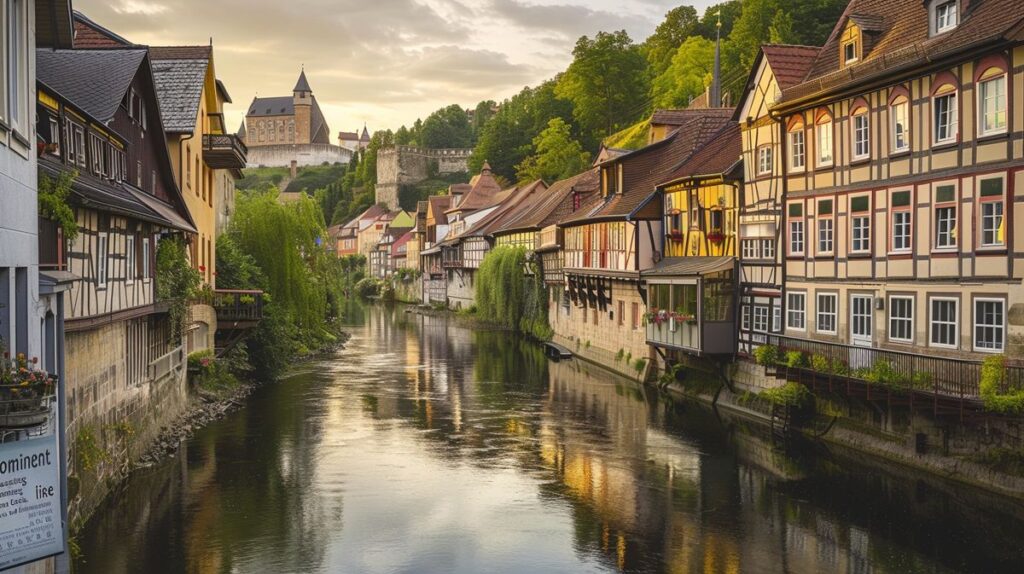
x: 123, y: 362
x: 691, y: 293
x: 615, y: 236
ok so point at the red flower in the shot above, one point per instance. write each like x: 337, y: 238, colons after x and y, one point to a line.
x: 202, y: 268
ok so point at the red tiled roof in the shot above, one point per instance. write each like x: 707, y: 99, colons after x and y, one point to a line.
x: 482, y: 194
x: 439, y: 205
x: 180, y: 52
x: 91, y: 36
x: 789, y: 63
x: 899, y: 40
x: 518, y: 199
x: 556, y: 203
x: 680, y: 117
x: 720, y: 153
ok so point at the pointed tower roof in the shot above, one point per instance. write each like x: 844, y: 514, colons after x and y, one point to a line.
x: 302, y: 85
x: 366, y: 135
x: 241, y: 130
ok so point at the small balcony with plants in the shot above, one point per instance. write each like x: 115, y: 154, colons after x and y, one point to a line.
x: 693, y: 314
x: 26, y: 393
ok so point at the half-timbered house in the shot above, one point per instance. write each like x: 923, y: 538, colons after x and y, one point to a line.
x: 123, y: 364
x: 904, y: 170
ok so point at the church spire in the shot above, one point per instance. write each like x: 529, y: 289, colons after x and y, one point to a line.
x: 302, y: 85
x: 716, y: 82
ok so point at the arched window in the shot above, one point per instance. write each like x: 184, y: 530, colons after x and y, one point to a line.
x: 899, y: 120
x: 945, y: 110
x: 796, y: 139
x: 860, y: 131
x: 992, y: 96
x: 824, y: 138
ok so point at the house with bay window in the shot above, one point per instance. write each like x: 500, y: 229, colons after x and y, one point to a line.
x: 617, y: 235
x: 903, y: 177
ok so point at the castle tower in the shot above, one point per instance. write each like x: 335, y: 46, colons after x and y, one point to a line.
x: 302, y: 97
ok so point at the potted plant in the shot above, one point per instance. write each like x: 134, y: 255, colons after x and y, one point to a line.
x: 25, y: 392
x: 716, y: 237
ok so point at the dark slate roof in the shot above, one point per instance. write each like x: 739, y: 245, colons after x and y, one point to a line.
x: 318, y: 131
x: 717, y: 156
x: 439, y: 205
x: 302, y: 85
x: 689, y: 266
x: 179, y: 88
x: 647, y: 167
x: 348, y: 136
x: 278, y: 106
x: 95, y: 80
x: 900, y: 41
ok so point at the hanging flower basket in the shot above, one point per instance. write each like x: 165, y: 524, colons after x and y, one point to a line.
x: 675, y: 235
x: 716, y: 237
x: 25, y: 393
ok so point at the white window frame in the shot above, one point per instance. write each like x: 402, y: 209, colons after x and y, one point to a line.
x: 900, y: 113
x: 931, y: 322
x: 952, y: 115
x: 860, y: 125
x: 15, y: 66
x: 145, y: 259
x: 102, y: 260
x: 129, y: 257
x: 849, y: 60
x: 745, y: 318
x: 751, y: 249
x: 765, y: 160
x: 826, y: 236
x: 761, y: 316
x: 796, y: 315
x: 1000, y: 328
x: 952, y: 16
x: 983, y: 100
x: 945, y: 226
x: 892, y: 318
x: 907, y: 212
x: 824, y: 135
x: 802, y: 240
x: 767, y: 248
x: 797, y: 149
x: 820, y: 311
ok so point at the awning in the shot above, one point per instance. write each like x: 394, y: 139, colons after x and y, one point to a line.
x: 690, y: 266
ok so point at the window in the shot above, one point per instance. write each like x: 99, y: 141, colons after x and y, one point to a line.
x: 751, y: 249
x: 797, y: 149
x: 992, y: 223
x: 768, y: 248
x: 635, y: 311
x: 145, y: 258
x: 825, y: 142
x: 945, y: 118
x: 860, y: 224
x: 55, y: 135
x: 17, y: 66
x: 945, y: 17
x: 989, y: 325
x: 796, y: 229
x: 992, y: 105
x: 96, y: 154
x: 945, y: 217
x: 622, y: 313
x: 901, y: 221
x: 796, y: 311
x: 827, y: 313
x: 764, y: 160
x: 945, y: 322
x: 901, y: 319
x: 900, y: 126
x: 760, y: 318
x: 129, y: 258
x: 79, y: 137
x: 861, y: 147
x: 849, y: 52
x: 101, y: 262
x: 825, y: 226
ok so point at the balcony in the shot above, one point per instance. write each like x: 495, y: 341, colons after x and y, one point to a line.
x: 691, y: 334
x: 224, y: 151
x: 949, y: 384
x: 25, y: 395
x: 239, y: 307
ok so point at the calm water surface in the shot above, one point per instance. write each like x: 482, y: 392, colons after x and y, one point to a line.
x: 427, y: 447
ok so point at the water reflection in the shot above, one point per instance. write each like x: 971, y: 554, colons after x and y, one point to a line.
x: 429, y: 447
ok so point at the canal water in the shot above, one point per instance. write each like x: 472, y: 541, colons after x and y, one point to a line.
x: 429, y: 447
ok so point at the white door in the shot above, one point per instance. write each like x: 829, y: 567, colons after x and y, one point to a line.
x: 861, y: 330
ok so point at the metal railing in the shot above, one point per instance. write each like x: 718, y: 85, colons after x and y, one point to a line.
x: 945, y: 376
x: 167, y: 364
x: 235, y: 304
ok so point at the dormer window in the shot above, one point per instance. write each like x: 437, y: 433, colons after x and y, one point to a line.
x: 849, y: 52
x: 945, y: 16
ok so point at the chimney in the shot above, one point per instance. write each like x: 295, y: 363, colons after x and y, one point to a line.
x: 294, y: 169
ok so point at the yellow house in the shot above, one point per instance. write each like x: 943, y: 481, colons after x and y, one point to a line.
x: 206, y: 159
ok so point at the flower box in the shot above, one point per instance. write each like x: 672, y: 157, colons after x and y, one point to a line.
x: 25, y: 392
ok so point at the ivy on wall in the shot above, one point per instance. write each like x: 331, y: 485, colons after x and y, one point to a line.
x: 510, y: 292
x: 176, y: 281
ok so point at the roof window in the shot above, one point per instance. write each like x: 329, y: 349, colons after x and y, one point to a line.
x: 944, y: 16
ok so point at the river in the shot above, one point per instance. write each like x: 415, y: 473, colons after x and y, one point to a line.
x: 425, y: 447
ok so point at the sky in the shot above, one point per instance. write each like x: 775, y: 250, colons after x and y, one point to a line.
x: 382, y: 63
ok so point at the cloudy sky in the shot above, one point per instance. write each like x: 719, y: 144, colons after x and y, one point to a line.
x: 382, y: 62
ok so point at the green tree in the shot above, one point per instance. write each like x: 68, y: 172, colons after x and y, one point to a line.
x: 688, y: 75
x: 447, y: 128
x: 660, y: 48
x: 606, y: 82
x: 176, y: 281
x: 556, y: 155
x: 481, y: 115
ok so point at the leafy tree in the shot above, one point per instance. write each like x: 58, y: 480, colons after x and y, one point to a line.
x: 680, y: 23
x: 606, y: 82
x: 176, y: 281
x: 481, y: 115
x: 404, y: 136
x: 447, y: 128
x: 690, y: 72
x: 53, y: 202
x: 727, y: 13
x: 557, y: 156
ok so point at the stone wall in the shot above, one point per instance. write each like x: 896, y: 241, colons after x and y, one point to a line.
x: 282, y: 155
x: 601, y: 341
x: 120, y: 419
x: 461, y: 288
x: 406, y: 165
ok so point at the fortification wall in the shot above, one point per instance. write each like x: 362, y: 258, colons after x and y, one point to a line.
x: 305, y: 155
x: 407, y: 165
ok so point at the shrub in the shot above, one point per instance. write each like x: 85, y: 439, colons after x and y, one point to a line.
x: 368, y: 287
x: 640, y: 365
x: 794, y: 359
x: 789, y: 395
x: 821, y: 363
x: 993, y: 383
x: 766, y: 355
x: 620, y: 355
x: 839, y: 367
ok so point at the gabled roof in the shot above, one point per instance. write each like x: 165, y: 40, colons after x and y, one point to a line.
x: 276, y: 106
x: 484, y: 192
x: 716, y: 157
x: 521, y: 199
x: 402, y: 240
x: 439, y: 207
x: 789, y: 63
x: 95, y: 80
x: 901, y: 42
x: 366, y: 135
x: 180, y: 75
x: 681, y: 117
x: 348, y: 136
x: 89, y: 35
x: 646, y: 168
x: 556, y: 203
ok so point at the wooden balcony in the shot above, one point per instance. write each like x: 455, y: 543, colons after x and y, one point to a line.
x: 940, y: 384
x: 238, y: 307
x: 224, y: 151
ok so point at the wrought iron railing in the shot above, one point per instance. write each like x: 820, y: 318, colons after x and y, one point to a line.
x: 235, y: 304
x: 167, y: 364
x: 946, y: 376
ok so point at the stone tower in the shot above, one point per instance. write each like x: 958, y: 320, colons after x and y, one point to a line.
x: 302, y: 96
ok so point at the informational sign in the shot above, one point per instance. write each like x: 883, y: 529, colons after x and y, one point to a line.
x: 30, y: 501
